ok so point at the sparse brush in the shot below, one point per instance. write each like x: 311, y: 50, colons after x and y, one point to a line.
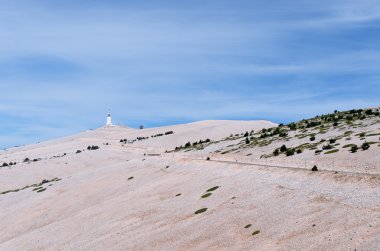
x: 354, y: 148
x: 206, y: 195
x: 365, y: 146
x: 202, y: 210
x: 256, y: 232
x: 212, y: 188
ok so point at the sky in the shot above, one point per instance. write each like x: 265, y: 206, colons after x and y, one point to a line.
x: 64, y: 64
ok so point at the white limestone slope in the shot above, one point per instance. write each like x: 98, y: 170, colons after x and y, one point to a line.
x: 137, y: 197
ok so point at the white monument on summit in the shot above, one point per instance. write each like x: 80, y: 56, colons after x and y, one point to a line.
x: 109, y: 120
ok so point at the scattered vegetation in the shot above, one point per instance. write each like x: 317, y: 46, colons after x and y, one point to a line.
x: 37, y: 187
x: 256, y: 232
x: 41, y: 190
x: 348, y: 145
x: 92, y: 148
x: 140, y: 138
x: 290, y: 151
x: 202, y: 210
x: 195, y: 145
x: 206, y: 195
x: 332, y: 151
x: 365, y: 146
x: 354, y: 148
x: 212, y: 189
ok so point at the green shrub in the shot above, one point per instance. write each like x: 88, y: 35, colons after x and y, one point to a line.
x: 248, y: 226
x: 290, y: 151
x: 314, y: 169
x: 283, y: 134
x: 212, y: 188
x: 283, y: 148
x: 312, y: 138
x: 206, y: 195
x: 256, y: 232
x: 199, y: 211
x: 348, y: 145
x: 299, y: 150
x: 332, y: 141
x: 332, y: 151
x: 327, y: 147
x: 365, y: 146
x: 354, y: 148
x: 41, y: 190
x: 276, y: 152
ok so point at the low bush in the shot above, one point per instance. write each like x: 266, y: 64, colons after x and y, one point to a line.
x: 283, y: 148
x: 290, y: 151
x: 332, y: 141
x: 354, y: 148
x: 276, y: 152
x: 212, y: 189
x: 256, y: 232
x: 327, y: 147
x: 206, y: 195
x: 332, y: 151
x: 365, y: 146
x: 202, y: 210
x: 314, y: 169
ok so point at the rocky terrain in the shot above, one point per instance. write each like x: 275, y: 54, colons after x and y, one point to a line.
x: 209, y: 185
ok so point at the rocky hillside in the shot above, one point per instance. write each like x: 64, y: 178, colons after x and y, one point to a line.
x: 210, y: 185
x: 347, y: 140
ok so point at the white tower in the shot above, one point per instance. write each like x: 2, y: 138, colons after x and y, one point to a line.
x: 109, y: 121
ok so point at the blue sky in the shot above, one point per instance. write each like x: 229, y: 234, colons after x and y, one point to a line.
x: 63, y: 64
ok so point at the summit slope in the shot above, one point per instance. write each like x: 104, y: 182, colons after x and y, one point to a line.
x: 125, y: 189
